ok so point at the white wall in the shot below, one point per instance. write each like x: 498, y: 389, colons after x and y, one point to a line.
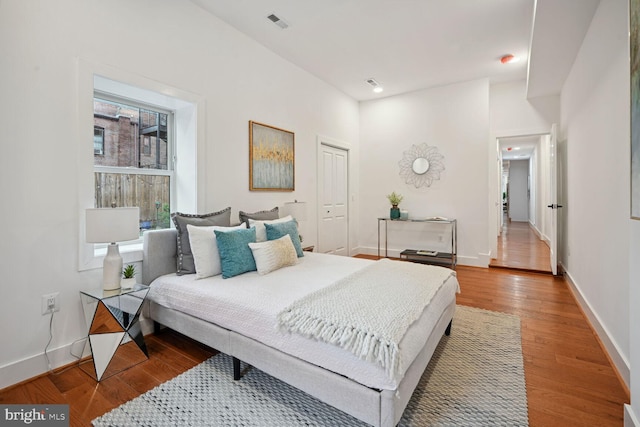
x: 512, y: 114
x: 533, y: 188
x: 634, y: 322
x: 595, y: 140
x: 453, y: 118
x: 186, y: 48
x: 518, y: 194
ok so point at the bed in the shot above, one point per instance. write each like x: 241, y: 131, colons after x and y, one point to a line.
x: 238, y: 317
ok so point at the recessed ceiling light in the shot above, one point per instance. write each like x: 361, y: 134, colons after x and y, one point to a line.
x: 509, y: 59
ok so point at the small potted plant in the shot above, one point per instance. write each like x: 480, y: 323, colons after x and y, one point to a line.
x: 128, y: 275
x: 395, y: 200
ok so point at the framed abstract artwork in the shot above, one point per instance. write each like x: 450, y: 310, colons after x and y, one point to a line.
x: 271, y: 158
x: 634, y: 46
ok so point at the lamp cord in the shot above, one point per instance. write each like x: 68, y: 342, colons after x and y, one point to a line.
x: 49, y: 342
x: 46, y: 348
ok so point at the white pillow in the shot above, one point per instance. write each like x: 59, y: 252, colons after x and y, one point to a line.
x: 205, y: 248
x: 261, y: 232
x: 274, y: 254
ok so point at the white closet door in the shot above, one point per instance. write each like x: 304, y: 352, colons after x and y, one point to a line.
x: 333, y: 229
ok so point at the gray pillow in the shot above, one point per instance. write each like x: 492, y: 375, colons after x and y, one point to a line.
x: 260, y: 216
x: 186, y: 264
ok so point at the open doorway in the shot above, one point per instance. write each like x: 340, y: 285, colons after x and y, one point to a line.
x: 525, y: 180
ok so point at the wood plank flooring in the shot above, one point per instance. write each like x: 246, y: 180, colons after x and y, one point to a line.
x: 520, y: 247
x: 570, y: 381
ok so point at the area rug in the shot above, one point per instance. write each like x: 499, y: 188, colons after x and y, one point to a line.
x: 475, y: 378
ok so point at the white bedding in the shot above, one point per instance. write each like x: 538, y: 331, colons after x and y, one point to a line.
x: 249, y: 304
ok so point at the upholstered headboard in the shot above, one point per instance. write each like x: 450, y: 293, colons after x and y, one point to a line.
x: 159, y: 252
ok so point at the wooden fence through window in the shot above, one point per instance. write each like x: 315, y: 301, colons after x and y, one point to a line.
x: 148, y: 192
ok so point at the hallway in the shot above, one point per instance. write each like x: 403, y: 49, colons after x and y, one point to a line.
x: 519, y: 247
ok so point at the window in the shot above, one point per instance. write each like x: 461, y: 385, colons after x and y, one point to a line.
x: 141, y: 178
x: 146, y: 145
x: 98, y: 141
x: 132, y: 158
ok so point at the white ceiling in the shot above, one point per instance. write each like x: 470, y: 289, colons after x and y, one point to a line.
x: 518, y: 148
x: 408, y: 45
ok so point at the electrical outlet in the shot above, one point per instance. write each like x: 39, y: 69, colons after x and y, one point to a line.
x: 50, y: 303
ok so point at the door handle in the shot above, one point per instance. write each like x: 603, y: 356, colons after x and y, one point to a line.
x: 554, y: 206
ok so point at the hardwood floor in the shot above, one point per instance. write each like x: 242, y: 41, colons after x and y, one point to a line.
x: 170, y: 354
x: 520, y: 247
x: 570, y: 381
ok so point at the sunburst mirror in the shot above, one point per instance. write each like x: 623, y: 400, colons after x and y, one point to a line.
x: 421, y: 165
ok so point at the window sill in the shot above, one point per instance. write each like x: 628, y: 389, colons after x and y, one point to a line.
x: 130, y: 254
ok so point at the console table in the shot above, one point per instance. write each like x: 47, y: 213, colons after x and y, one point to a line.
x: 426, y: 256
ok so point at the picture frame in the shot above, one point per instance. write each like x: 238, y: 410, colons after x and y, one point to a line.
x: 634, y: 47
x: 271, y: 158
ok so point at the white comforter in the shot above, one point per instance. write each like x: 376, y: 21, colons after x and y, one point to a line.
x: 249, y: 304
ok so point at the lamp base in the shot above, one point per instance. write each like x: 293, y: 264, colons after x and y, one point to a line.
x: 112, y: 268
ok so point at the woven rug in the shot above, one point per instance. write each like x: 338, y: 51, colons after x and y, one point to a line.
x: 475, y: 378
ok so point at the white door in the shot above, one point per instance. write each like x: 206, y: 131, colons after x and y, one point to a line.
x: 553, y: 200
x: 333, y: 230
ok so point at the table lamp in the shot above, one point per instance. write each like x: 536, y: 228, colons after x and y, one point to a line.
x: 112, y: 225
x: 298, y: 210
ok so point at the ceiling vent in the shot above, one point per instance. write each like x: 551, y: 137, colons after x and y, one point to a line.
x: 279, y: 22
x: 377, y: 87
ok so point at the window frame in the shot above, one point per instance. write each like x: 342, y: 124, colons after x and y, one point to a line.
x: 101, y: 153
x: 132, y: 245
x: 190, y: 143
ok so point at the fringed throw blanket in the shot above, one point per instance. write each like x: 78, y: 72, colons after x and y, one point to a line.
x: 369, y: 311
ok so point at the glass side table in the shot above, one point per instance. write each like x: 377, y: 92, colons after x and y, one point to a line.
x: 115, y: 341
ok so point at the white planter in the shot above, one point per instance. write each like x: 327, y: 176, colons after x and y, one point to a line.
x: 128, y: 283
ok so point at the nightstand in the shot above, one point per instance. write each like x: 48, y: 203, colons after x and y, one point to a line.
x: 115, y: 341
x: 308, y: 249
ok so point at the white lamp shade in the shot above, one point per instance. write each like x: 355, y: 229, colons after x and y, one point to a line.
x: 297, y: 209
x: 110, y: 225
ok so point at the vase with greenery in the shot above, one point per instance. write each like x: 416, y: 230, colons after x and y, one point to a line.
x: 395, y: 200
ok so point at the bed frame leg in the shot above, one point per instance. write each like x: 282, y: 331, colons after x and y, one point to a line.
x: 156, y: 327
x: 236, y: 369
x: 447, y: 331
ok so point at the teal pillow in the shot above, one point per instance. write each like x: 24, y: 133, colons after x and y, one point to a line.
x: 235, y: 254
x: 277, y: 230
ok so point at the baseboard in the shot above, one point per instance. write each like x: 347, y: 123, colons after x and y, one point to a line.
x: 618, y: 360
x: 36, y: 365
x: 630, y: 419
x: 535, y: 230
x: 539, y: 233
